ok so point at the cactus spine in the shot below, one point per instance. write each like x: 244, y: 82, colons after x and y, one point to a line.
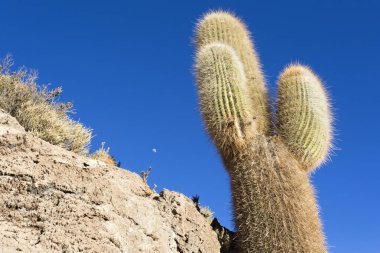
x: 274, y: 203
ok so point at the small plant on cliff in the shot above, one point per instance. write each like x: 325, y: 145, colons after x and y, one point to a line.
x: 269, y: 163
x: 103, y: 154
x: 36, y: 109
x: 204, y: 210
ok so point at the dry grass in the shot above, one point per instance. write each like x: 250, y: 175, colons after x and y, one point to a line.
x: 102, y: 154
x: 204, y: 210
x: 37, y: 110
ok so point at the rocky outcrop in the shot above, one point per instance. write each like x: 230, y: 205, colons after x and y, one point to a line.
x: 52, y: 200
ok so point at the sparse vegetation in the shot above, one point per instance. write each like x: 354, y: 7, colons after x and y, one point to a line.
x: 204, y: 210
x: 102, y: 154
x: 37, y: 109
x: 145, y: 174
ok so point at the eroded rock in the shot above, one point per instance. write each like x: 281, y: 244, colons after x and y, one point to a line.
x: 53, y: 200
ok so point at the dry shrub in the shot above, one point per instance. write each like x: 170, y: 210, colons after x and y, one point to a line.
x: 102, y: 154
x: 36, y: 109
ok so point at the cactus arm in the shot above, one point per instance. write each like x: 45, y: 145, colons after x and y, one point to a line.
x: 304, y: 117
x: 224, y: 102
x: 225, y: 28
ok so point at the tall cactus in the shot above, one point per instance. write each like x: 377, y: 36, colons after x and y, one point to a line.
x: 274, y: 203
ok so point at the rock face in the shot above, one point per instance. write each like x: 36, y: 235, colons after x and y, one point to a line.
x: 52, y: 200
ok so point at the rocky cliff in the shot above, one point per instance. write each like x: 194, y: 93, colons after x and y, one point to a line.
x: 52, y: 200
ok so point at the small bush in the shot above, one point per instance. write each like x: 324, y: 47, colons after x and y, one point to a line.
x: 102, y: 154
x: 204, y: 210
x: 36, y: 109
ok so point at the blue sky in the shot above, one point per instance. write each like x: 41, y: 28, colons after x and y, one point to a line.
x: 128, y: 68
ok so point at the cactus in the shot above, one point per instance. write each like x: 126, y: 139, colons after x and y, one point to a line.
x: 274, y: 203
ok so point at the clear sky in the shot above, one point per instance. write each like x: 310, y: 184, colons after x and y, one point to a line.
x: 128, y: 68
